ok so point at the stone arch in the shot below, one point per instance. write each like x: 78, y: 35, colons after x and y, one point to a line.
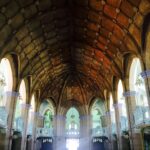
x: 73, y: 120
x: 72, y: 103
x: 6, y: 91
x: 98, y: 120
x: 139, y: 101
x: 47, y: 112
x: 45, y: 105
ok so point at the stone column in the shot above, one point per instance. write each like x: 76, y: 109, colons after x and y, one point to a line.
x: 54, y: 131
x: 85, y: 137
x: 108, y: 121
x: 146, y: 76
x: 25, y: 110
x: 134, y: 134
x: 129, y: 98
x: 34, y: 130
x: 60, y: 132
x: 109, y: 129
x: 116, y: 107
x: 39, y: 123
x: 12, y: 97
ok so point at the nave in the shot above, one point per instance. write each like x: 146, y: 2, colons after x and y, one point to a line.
x: 74, y: 75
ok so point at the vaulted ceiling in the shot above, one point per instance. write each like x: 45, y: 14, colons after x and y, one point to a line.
x: 72, y: 48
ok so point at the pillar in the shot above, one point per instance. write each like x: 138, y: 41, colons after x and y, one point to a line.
x: 134, y: 133
x: 60, y: 132
x: 12, y: 96
x: 109, y: 129
x: 25, y: 119
x: 85, y: 137
x: 116, y: 107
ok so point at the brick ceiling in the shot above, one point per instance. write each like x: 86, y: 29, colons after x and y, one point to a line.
x: 72, y: 48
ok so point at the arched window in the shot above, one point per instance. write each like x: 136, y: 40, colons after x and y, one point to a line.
x: 112, y: 113
x: 31, y: 115
x: 122, y: 107
x: 72, y: 121
x: 6, y: 84
x: 46, y: 119
x: 47, y: 111
x: 72, y: 129
x: 20, y: 108
x: 98, y: 118
x: 137, y: 85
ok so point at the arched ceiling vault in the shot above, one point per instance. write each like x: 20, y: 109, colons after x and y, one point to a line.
x: 84, y: 40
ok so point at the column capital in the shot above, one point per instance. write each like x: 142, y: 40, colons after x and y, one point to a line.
x: 145, y: 74
x: 12, y: 93
x: 26, y: 106
x: 129, y: 93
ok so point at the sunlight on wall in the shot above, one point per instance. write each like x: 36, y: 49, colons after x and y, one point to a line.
x: 6, y: 80
x: 31, y: 115
x: 6, y: 84
x: 122, y: 107
x: 139, y: 102
x: 20, y: 108
x: 112, y: 113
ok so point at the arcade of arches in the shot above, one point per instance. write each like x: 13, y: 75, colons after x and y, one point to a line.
x: 74, y: 74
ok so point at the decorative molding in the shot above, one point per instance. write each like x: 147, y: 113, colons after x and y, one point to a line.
x: 129, y: 93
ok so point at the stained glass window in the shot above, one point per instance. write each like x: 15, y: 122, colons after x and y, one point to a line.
x: 98, y: 118
x: 47, y: 113
x: 72, y: 121
x: 48, y: 119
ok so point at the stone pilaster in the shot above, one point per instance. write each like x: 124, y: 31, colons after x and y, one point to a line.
x: 12, y: 97
x: 25, y: 119
x: 85, y: 138
x: 60, y: 139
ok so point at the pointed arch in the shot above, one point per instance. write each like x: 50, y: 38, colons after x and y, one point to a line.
x: 47, y: 111
x: 72, y: 122
x: 139, y: 101
x: 98, y: 114
x: 6, y: 86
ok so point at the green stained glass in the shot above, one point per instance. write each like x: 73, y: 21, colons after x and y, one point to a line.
x: 72, y: 119
x: 48, y: 118
x: 98, y: 110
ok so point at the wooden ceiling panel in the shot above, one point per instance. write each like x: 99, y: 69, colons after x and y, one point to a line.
x: 110, y: 11
x: 114, y: 3
x: 62, y: 41
x: 125, y: 5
